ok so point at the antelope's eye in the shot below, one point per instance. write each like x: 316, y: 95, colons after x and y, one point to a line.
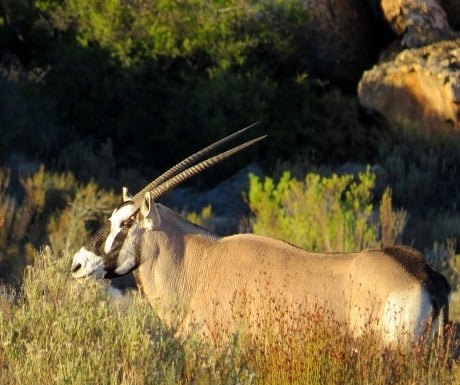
x: 128, y: 223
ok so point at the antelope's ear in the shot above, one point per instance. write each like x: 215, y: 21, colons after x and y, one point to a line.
x: 126, y: 195
x: 149, y: 217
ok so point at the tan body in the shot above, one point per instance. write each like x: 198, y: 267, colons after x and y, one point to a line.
x: 202, y: 282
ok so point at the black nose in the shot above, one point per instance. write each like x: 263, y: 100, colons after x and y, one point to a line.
x: 76, y: 267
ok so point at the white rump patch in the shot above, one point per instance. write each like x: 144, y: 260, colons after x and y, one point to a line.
x: 406, y: 315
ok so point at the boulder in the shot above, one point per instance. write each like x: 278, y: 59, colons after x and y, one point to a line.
x: 418, y: 23
x: 417, y: 88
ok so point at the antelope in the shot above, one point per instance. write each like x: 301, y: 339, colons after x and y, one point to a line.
x: 202, y: 283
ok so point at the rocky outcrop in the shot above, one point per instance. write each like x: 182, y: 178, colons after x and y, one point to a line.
x: 418, y: 22
x: 416, y: 84
x: 417, y: 88
x: 347, y: 35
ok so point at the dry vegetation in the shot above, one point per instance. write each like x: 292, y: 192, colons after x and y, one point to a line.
x: 60, y: 332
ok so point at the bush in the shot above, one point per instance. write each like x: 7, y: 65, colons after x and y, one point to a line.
x: 319, y: 213
x: 54, y: 210
x: 143, y: 74
x: 27, y: 127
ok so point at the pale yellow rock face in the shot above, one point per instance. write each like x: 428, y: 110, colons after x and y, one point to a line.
x: 418, y: 22
x: 417, y: 89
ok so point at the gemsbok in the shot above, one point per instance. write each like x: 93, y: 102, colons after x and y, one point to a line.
x: 215, y: 286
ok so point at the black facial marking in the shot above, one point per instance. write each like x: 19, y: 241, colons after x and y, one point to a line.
x: 128, y: 203
x: 96, y: 242
x: 111, y: 259
x: 109, y: 274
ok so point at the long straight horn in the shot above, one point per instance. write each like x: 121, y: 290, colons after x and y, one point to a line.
x: 193, y: 170
x: 191, y: 160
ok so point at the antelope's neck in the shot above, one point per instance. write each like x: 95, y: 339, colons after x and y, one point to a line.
x: 172, y: 262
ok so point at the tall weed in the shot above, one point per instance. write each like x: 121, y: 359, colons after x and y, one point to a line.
x: 392, y: 222
x: 60, y: 333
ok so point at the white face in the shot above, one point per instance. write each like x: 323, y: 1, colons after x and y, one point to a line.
x: 110, y: 252
x: 86, y: 263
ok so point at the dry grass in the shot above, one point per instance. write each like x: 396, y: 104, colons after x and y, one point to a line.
x: 455, y: 319
x: 60, y: 332
x: 455, y: 307
x: 312, y: 348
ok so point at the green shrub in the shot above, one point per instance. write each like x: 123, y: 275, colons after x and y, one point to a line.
x: 319, y: 213
x: 221, y: 31
x: 336, y: 214
x: 202, y: 218
x: 28, y: 127
x: 144, y: 73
